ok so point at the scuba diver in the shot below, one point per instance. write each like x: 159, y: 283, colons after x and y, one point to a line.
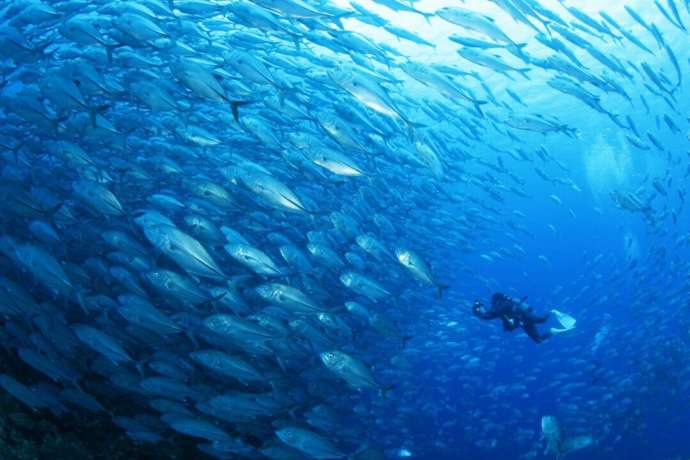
x: 516, y: 314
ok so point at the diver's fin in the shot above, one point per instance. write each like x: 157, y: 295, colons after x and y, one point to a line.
x: 566, y: 321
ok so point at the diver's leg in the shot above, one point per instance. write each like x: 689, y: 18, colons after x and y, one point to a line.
x: 531, y: 330
x: 545, y: 335
x: 542, y: 319
x: 536, y: 319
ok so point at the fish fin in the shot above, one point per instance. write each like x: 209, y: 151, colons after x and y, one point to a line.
x: 15, y: 151
x: 76, y: 385
x: 56, y: 122
x: 405, y: 339
x: 235, y: 112
x: 281, y: 364
x: 235, y: 105
x: 345, y: 14
x: 523, y: 72
x: 210, y: 301
x: 411, y: 125
x: 282, y: 93
x: 79, y: 295
x: 478, y: 107
x: 441, y: 288
x: 40, y: 48
x: 109, y: 50
x: 94, y: 111
x: 385, y: 390
x: 52, y: 210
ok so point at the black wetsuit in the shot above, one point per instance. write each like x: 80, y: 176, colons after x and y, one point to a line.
x: 513, y: 315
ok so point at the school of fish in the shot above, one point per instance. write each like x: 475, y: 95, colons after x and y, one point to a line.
x: 252, y: 223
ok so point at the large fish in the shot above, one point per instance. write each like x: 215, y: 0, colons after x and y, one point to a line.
x: 253, y: 258
x: 370, y: 94
x: 45, y: 268
x: 353, y: 371
x: 187, y: 252
x: 364, y: 285
x: 416, y: 265
x: 473, y: 21
x: 311, y: 444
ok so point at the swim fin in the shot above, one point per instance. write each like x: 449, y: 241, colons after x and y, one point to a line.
x: 566, y: 321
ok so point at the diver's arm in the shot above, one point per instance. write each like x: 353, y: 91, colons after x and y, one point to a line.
x: 509, y: 324
x: 480, y: 313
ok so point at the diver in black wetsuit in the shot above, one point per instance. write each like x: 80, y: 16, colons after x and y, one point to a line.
x: 513, y: 314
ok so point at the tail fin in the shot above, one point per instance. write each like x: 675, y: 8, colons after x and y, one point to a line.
x: 209, y: 301
x: 383, y: 391
x: 338, y: 17
x: 411, y: 125
x: 235, y: 105
x: 79, y: 296
x: 50, y: 212
x: 93, y: 111
x: 441, y: 288
x: 405, y: 339
x: 282, y: 365
x: 139, y: 365
x: 15, y: 150
x: 516, y: 49
x: 478, y: 107
x: 192, y: 338
x: 109, y: 50
x: 56, y: 122
x: 40, y: 48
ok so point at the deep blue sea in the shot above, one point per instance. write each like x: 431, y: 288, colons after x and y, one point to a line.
x: 273, y: 229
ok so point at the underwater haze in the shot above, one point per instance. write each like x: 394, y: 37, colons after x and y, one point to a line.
x: 274, y: 229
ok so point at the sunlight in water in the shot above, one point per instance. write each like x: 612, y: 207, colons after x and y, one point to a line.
x: 607, y: 166
x: 437, y: 30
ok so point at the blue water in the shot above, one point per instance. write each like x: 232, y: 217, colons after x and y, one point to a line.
x: 183, y: 176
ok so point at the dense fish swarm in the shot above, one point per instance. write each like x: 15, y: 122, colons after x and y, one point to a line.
x: 227, y: 224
